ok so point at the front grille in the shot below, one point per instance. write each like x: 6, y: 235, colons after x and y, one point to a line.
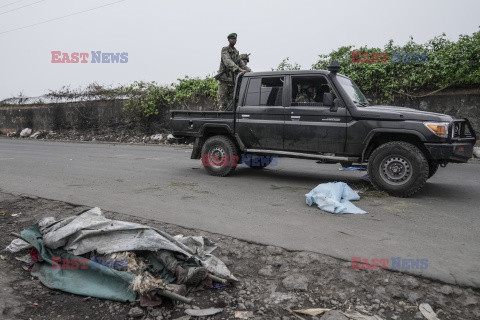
x: 461, y: 130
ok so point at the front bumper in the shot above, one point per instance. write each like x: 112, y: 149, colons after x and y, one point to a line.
x: 451, y: 152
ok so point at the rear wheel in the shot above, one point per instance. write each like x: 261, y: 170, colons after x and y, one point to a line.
x: 399, y: 168
x: 219, y: 156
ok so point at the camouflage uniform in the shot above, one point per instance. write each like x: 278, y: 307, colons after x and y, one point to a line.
x: 304, y: 97
x: 244, y: 57
x: 226, y: 83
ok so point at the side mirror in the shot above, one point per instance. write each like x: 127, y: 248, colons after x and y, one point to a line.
x: 370, y: 101
x: 327, y: 99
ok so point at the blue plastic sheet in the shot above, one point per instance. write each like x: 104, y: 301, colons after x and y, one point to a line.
x: 334, y: 197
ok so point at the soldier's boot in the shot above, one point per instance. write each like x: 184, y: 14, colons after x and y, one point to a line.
x: 196, y: 275
x: 191, y: 276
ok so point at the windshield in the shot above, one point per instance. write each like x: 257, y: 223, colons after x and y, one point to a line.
x: 353, y: 91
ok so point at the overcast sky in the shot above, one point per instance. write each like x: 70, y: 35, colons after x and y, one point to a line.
x: 166, y: 40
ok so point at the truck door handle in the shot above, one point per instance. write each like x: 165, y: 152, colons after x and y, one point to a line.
x: 245, y: 116
x: 295, y: 117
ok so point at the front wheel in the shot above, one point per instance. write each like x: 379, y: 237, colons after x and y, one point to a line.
x: 432, y: 168
x: 399, y: 168
x: 219, y: 156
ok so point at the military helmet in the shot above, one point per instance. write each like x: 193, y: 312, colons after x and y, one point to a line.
x: 306, y: 85
x: 244, y: 56
x: 232, y: 35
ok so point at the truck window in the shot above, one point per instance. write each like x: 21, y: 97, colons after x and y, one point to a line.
x: 308, y: 91
x: 265, y: 92
x: 271, y: 92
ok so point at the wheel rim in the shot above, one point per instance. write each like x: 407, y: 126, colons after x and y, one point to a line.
x: 217, y: 156
x: 395, y: 170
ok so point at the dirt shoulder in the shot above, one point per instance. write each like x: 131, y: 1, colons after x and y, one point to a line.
x: 270, y: 280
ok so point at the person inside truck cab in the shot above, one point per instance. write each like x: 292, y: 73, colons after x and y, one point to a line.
x: 307, y: 93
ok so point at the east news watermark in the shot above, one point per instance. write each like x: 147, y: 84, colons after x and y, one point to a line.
x: 89, y: 57
x: 251, y: 160
x: 395, y: 263
x: 60, y: 263
x: 396, y: 57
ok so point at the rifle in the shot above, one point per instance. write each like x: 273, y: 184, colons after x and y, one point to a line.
x: 225, y: 69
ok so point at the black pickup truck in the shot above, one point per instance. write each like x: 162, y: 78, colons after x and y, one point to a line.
x: 323, y: 115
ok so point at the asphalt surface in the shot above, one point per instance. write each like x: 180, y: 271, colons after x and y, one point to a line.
x: 440, y: 223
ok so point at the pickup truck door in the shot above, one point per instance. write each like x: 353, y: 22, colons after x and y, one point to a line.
x: 260, y: 114
x: 309, y: 126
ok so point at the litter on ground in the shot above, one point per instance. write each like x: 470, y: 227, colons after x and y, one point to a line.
x: 353, y: 169
x: 334, y: 197
x: 91, y: 255
x: 203, y: 312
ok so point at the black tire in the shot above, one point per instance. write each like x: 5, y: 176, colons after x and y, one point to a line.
x: 432, y: 168
x: 399, y: 168
x: 258, y: 161
x: 219, y: 156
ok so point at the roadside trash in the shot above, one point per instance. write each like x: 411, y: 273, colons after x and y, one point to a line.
x: 243, y: 314
x: 427, y: 311
x: 16, y: 214
x: 18, y: 245
x: 366, y: 178
x: 476, y: 152
x: 353, y: 169
x: 3, y: 257
x: 25, y: 259
x: 35, y: 135
x: 355, y: 315
x: 293, y: 313
x: 93, y: 256
x: 35, y: 304
x: 215, y: 286
x: 203, y: 312
x: 156, y: 137
x: 2, y: 213
x: 313, y: 311
x: 29, y: 259
x: 334, y: 197
x: 26, y: 132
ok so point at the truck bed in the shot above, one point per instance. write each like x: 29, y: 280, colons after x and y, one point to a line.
x: 191, y: 123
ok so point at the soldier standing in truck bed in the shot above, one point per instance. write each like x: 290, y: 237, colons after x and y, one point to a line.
x: 230, y: 65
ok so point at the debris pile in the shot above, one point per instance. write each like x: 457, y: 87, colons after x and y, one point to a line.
x: 91, y: 255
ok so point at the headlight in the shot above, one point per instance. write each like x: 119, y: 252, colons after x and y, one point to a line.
x: 439, y: 128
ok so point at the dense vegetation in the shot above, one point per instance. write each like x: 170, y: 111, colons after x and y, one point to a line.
x: 448, y: 64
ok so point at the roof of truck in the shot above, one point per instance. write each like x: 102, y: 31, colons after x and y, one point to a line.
x: 290, y: 72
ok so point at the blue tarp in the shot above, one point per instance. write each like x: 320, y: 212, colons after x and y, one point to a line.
x: 334, y: 197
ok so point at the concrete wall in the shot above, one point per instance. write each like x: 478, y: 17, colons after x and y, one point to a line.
x: 62, y: 116
x: 456, y: 103
x: 98, y: 115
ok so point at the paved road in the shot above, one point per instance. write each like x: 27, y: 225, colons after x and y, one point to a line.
x: 158, y: 182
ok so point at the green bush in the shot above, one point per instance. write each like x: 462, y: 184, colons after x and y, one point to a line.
x: 145, y: 99
x: 193, y: 90
x: 287, y: 65
x: 449, y: 63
